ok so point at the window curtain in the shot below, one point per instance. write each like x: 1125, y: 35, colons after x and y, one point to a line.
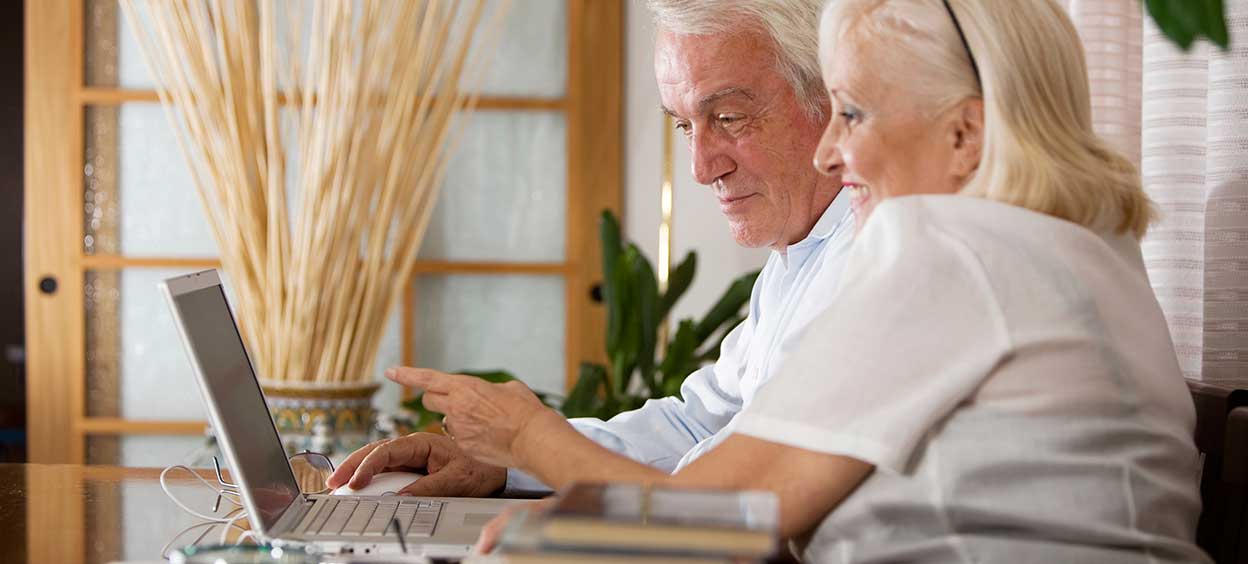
x: 1183, y: 118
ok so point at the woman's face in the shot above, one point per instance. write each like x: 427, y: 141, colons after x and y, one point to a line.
x: 879, y: 137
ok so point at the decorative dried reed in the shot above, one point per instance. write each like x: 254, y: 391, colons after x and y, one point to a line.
x: 365, y: 95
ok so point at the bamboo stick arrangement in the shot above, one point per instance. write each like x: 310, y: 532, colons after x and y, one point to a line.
x: 366, y: 97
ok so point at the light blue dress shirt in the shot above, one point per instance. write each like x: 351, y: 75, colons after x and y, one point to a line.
x: 669, y: 433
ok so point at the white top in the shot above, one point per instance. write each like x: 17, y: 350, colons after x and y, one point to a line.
x: 669, y: 433
x: 1010, y: 376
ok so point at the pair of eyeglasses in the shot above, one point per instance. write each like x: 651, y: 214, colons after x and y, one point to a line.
x: 311, y: 470
x: 961, y: 35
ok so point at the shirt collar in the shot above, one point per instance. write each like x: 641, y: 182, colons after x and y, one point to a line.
x: 835, y: 217
x: 832, y: 219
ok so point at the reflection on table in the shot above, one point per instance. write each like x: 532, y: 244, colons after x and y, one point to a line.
x: 95, y: 514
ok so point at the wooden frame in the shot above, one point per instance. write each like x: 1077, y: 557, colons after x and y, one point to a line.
x: 53, y: 149
x: 595, y: 164
x: 56, y: 99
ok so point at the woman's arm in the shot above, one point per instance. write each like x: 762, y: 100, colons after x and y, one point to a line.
x: 506, y: 425
x: 808, y: 484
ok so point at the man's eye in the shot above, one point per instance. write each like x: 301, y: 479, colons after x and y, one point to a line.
x: 683, y: 126
x: 728, y: 120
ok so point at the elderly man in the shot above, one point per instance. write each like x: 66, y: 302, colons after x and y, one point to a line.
x: 741, y: 81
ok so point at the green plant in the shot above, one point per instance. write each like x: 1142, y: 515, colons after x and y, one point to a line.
x: 635, y: 312
x: 1185, y: 21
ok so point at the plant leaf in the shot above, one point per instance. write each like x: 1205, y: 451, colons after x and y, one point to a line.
x: 609, y: 233
x: 1184, y: 21
x: 1215, y: 23
x: 678, y: 282
x: 584, y: 400
x: 647, y: 311
x: 624, y: 358
x: 711, y: 354
x: 678, y: 359
x: 728, y: 306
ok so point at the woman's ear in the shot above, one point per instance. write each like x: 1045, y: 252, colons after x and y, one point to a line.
x: 968, y: 138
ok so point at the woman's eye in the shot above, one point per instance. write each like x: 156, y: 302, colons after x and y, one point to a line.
x: 850, y: 114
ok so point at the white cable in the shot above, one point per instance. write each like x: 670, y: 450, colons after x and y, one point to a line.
x: 164, y: 550
x: 225, y: 531
x: 230, y: 496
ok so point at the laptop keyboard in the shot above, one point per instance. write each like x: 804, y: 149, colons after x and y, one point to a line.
x: 330, y: 517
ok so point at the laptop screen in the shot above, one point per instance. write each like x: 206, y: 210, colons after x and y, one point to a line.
x: 259, y: 462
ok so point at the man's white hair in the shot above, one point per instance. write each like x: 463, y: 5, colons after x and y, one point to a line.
x: 792, y: 26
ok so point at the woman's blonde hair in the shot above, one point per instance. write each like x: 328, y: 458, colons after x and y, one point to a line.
x: 1040, y: 151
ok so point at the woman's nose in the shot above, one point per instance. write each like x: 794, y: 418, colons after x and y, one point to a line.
x: 828, y: 157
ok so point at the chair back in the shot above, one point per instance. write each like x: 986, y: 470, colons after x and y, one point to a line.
x: 1222, y: 438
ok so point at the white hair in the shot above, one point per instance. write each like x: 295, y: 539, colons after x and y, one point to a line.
x: 1039, y: 148
x: 792, y: 26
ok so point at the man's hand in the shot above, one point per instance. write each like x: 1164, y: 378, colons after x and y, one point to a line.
x: 485, y: 419
x: 451, y: 472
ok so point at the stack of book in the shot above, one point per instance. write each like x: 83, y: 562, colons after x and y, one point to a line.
x: 631, y: 522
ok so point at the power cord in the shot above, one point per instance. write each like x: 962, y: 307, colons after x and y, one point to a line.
x: 228, y: 495
x: 227, y: 522
x: 207, y: 526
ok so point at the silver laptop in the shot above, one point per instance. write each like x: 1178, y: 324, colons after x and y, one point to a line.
x: 435, y: 527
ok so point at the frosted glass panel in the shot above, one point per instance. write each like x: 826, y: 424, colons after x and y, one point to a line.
x: 531, y: 57
x: 493, y: 322
x: 532, y: 54
x: 160, y: 213
x: 504, y: 198
x: 158, y: 451
x: 156, y: 379
x: 136, y: 365
x: 152, y: 451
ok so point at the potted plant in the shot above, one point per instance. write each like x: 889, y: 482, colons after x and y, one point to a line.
x: 639, y: 366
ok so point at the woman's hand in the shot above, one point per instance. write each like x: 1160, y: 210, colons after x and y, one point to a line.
x: 493, y: 531
x: 484, y: 419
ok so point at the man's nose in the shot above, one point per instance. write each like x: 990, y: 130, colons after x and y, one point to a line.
x: 709, y: 159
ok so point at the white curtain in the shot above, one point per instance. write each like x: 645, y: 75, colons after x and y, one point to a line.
x: 1183, y: 117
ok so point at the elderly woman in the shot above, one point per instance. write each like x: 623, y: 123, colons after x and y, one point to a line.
x: 997, y: 382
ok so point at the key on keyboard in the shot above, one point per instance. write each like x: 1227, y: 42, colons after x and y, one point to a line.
x: 323, y: 508
x: 381, y: 519
x: 338, y: 518
x: 363, y: 512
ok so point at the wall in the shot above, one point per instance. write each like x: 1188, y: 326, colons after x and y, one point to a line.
x: 697, y: 222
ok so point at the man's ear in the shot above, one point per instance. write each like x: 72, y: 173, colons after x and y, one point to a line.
x: 967, y: 136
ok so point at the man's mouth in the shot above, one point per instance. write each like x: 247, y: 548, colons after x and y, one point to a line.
x: 730, y: 204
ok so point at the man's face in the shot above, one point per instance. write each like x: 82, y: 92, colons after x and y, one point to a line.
x: 751, y: 140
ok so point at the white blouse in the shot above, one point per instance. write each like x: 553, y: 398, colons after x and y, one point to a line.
x: 1010, y: 376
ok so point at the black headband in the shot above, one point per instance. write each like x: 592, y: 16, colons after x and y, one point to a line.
x: 958, y: 26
